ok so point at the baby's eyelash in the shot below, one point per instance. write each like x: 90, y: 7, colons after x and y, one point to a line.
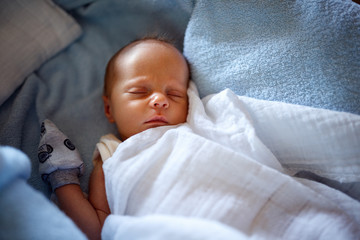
x: 138, y: 91
x: 175, y: 94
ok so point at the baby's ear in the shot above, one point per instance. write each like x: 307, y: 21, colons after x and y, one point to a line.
x: 107, y: 108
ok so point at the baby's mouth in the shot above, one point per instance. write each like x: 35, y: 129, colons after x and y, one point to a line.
x: 157, y: 120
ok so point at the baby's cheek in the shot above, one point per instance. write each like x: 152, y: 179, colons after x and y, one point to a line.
x: 182, y: 115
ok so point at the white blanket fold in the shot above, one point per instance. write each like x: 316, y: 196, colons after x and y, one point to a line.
x: 215, y: 167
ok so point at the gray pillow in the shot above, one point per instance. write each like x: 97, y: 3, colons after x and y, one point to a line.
x: 31, y: 32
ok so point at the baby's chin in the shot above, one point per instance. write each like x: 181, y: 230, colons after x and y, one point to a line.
x: 128, y: 135
x: 147, y: 126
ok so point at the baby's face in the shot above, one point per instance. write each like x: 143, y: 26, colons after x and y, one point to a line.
x: 150, y: 89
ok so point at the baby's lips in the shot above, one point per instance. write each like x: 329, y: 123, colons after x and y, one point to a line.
x: 157, y: 119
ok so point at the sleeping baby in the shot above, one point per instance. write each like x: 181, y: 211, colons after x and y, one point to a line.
x: 145, y: 87
x: 180, y: 155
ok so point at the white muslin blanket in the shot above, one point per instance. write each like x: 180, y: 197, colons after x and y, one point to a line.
x: 215, y: 167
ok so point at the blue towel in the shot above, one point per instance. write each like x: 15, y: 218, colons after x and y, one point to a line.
x: 25, y: 212
x: 299, y: 51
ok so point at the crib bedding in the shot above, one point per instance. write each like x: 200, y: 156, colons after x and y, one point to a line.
x: 302, y: 52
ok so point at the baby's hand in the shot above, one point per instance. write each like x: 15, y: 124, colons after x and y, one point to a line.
x: 56, y: 152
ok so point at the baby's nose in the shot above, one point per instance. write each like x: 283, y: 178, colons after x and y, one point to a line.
x: 158, y: 100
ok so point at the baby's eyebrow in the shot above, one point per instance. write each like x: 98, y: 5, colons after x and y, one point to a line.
x: 177, y: 87
x: 136, y: 80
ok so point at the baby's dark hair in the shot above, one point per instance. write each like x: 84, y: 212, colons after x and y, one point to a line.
x: 109, y: 73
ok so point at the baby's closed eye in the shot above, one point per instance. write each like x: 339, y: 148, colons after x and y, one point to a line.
x: 176, y: 93
x: 138, y: 90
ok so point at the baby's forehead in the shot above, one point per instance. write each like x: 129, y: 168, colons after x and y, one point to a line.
x: 147, y: 49
x: 123, y: 61
x: 148, y: 45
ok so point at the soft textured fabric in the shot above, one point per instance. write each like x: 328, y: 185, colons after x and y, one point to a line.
x: 25, y: 212
x: 31, y: 32
x: 60, y: 178
x: 215, y: 167
x: 106, y: 147
x: 157, y: 227
x: 303, y: 138
x: 73, y: 4
x: 297, y: 51
x: 56, y: 151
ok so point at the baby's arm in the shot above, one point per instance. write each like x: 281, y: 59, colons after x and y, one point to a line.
x: 97, y: 193
x: 90, y: 214
x: 72, y: 201
x: 60, y: 165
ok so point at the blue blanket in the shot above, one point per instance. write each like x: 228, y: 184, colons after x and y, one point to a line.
x: 303, y: 52
x: 26, y: 213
